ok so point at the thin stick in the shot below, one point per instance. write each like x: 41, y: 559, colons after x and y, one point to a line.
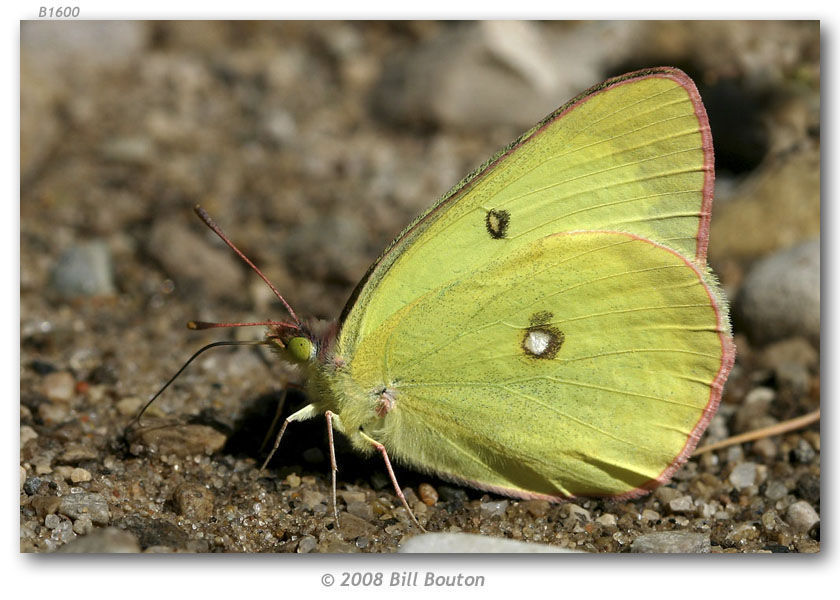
x: 136, y: 419
x: 750, y: 436
x: 393, y: 477
x: 333, y: 465
x: 202, y: 214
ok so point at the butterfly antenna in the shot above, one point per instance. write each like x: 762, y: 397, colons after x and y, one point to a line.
x: 136, y: 419
x: 202, y: 214
x: 197, y: 325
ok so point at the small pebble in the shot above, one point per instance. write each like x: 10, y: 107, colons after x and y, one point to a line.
x: 32, y: 485
x: 802, y: 516
x: 26, y: 434
x: 84, y: 270
x: 293, y: 480
x: 307, y: 544
x: 681, y: 505
x: 665, y: 493
x: 129, y: 406
x: 734, y: 454
x: 808, y: 488
x: 672, y: 542
x: 651, y: 516
x: 83, y: 526
x: 78, y: 475
x: 577, y: 515
x: 45, y: 505
x: 764, y: 448
x: 495, y: 508
x: 428, y: 494
x: 352, y: 527
x: 705, y: 510
x: 775, y: 490
x: 63, y: 471
x: 362, y: 510
x: 86, y: 504
x: 159, y: 549
x: 743, y: 475
x: 51, y: 521
x: 410, y: 496
x: 797, y: 350
x: 793, y: 377
x: 54, y: 414
x: 311, y: 498
x: 803, y: 453
x: 813, y: 438
x: 194, y: 500
x: 536, y: 508
x: 607, y: 520
x: 104, y: 541
x: 741, y: 535
x: 349, y: 496
x: 42, y: 367
x: 460, y: 543
x: 63, y: 531
x: 43, y: 468
x: 77, y: 452
x: 183, y: 440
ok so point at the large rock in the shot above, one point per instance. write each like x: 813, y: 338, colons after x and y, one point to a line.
x: 781, y: 295
x: 490, y: 73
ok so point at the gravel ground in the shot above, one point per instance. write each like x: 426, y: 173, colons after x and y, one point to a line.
x: 313, y: 144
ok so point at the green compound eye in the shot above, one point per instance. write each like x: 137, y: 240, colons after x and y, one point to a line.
x: 300, y: 349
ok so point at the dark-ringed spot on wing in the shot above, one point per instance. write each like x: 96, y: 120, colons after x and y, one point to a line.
x: 541, y: 340
x: 497, y: 222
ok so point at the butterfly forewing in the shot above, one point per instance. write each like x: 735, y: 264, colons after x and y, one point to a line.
x: 632, y: 155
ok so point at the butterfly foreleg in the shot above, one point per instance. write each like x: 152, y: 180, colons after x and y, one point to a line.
x: 381, y: 448
x: 307, y: 412
x: 281, y: 403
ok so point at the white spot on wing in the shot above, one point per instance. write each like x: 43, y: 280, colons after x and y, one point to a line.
x: 537, y: 342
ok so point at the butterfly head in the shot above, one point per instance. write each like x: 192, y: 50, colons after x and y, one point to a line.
x: 301, y: 343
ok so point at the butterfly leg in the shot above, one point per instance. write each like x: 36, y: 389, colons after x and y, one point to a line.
x: 397, y: 487
x: 280, y: 404
x: 330, y: 416
x: 307, y: 412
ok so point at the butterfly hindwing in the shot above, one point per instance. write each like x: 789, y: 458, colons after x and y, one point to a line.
x: 579, y: 364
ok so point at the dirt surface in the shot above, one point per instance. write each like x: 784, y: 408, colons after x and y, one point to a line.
x: 312, y: 145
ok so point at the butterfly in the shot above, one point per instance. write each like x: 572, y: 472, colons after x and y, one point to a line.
x: 549, y: 328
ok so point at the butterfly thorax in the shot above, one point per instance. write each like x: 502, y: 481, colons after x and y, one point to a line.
x: 329, y: 382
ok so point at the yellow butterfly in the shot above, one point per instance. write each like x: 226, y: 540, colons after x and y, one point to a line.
x: 549, y: 328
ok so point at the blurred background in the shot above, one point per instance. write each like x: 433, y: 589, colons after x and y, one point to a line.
x: 313, y: 144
